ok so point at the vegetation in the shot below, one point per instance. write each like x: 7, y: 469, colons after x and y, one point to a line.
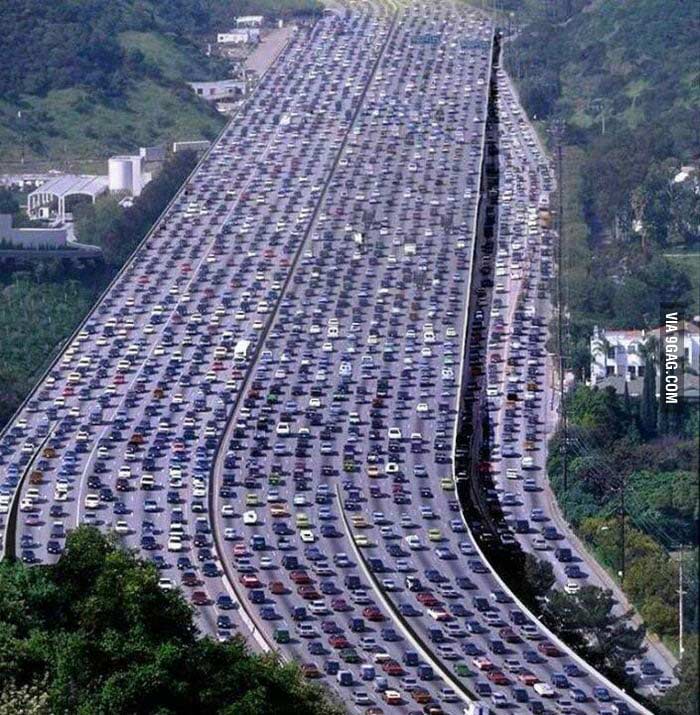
x: 610, y: 450
x: 96, y: 634
x: 586, y: 621
x: 118, y: 231
x: 92, y: 78
x: 38, y: 310
x: 630, y: 69
x: 684, y: 698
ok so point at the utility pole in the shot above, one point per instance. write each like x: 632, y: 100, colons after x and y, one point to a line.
x: 680, y: 605
x: 556, y: 130
x: 621, y: 572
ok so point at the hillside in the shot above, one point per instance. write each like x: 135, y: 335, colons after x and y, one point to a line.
x: 96, y: 77
x: 632, y: 69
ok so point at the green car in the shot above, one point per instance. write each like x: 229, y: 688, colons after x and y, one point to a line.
x: 462, y: 669
x: 349, y: 655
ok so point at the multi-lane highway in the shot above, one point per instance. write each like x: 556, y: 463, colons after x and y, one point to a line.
x: 265, y: 401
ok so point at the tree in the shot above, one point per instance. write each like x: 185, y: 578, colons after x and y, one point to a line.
x: 683, y: 698
x: 586, y: 621
x: 8, y: 203
x: 100, y: 636
x: 539, y: 575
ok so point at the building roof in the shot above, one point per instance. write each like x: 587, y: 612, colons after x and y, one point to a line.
x: 68, y: 184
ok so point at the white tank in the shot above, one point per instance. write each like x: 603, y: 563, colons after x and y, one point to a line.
x: 121, y: 176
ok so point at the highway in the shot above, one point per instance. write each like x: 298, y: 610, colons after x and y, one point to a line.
x: 265, y: 401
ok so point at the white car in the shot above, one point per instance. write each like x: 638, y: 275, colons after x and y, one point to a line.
x: 307, y: 536
x: 572, y: 587
x: 250, y: 518
x: 121, y: 527
x: 544, y: 690
x: 92, y: 501
x: 175, y: 542
x: 413, y: 542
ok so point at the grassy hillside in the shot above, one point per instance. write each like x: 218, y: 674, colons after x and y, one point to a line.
x: 95, y: 77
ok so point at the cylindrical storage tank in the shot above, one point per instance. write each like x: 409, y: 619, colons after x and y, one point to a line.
x: 121, y: 176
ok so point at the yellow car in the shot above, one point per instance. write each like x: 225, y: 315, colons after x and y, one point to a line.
x: 302, y: 521
x: 447, y: 484
x: 252, y: 500
x: 434, y: 534
x: 362, y: 541
x: 359, y: 522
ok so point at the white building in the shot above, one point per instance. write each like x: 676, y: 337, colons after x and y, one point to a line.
x: 30, y: 237
x: 238, y: 37
x: 249, y: 21
x: 50, y: 198
x: 221, y: 89
x: 617, y: 356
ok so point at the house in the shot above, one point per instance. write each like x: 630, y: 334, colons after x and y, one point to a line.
x: 618, y: 357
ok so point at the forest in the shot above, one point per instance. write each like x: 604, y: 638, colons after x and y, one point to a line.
x: 623, y: 79
x: 620, y: 473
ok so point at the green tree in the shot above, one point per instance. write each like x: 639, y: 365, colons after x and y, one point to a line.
x: 539, y: 575
x: 101, y: 636
x: 683, y: 698
x: 586, y: 621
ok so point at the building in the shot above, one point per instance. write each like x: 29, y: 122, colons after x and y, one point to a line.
x: 131, y: 172
x: 225, y: 89
x: 49, y: 200
x: 249, y: 21
x: 243, y: 36
x: 198, y: 146
x: 618, y: 356
x: 30, y: 237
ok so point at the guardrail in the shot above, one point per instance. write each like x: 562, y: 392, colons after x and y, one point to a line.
x: 10, y: 533
x: 501, y: 583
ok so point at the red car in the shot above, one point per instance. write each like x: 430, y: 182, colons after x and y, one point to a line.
x: 250, y: 581
x: 549, y: 649
x: 277, y: 588
x: 526, y: 677
x: 372, y: 613
x: 300, y: 577
x: 497, y: 677
x: 391, y: 667
x: 199, y: 598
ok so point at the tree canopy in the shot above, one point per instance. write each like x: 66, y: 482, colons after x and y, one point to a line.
x: 95, y: 633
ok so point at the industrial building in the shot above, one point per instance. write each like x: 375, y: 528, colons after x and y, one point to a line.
x: 225, y: 89
x: 249, y: 21
x: 49, y: 200
x: 239, y: 37
x: 126, y: 173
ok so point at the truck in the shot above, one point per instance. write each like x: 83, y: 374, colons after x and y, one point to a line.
x: 240, y: 352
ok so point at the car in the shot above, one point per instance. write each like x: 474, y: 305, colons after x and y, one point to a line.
x: 544, y: 690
